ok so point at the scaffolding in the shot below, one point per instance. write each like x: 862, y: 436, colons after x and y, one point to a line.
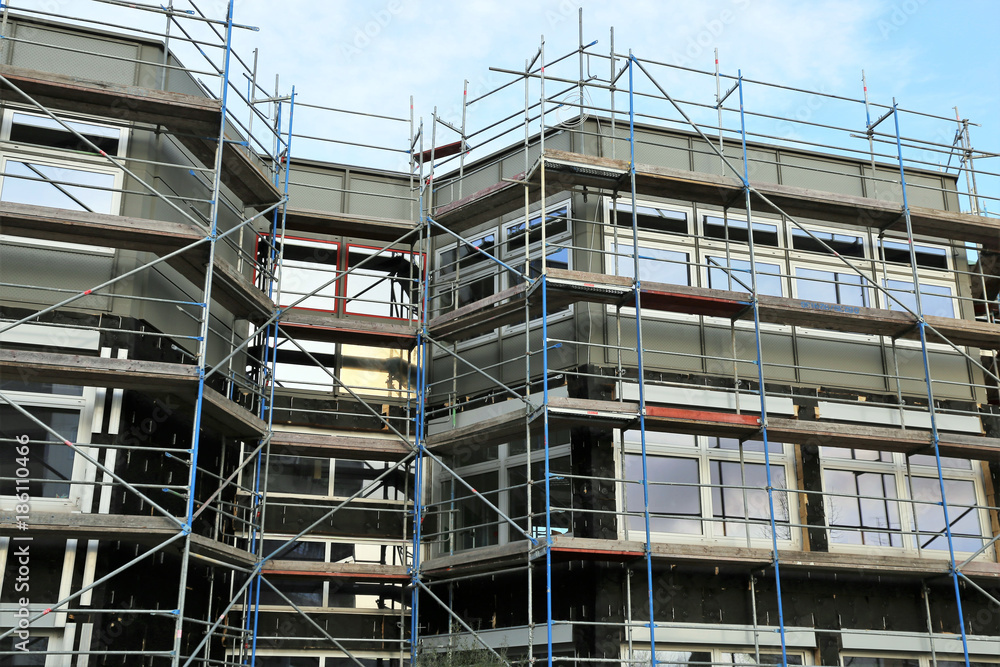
x: 342, y: 318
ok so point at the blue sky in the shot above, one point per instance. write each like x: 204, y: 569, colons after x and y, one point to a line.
x: 931, y: 55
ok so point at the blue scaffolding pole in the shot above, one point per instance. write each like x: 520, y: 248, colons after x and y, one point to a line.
x: 922, y: 327
x: 755, y: 303
x: 640, y: 368
x: 204, y: 324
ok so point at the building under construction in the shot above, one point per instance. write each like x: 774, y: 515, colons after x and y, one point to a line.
x: 609, y: 378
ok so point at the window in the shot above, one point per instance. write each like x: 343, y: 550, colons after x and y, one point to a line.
x: 366, y: 371
x: 706, y: 657
x: 651, y: 219
x: 831, y: 287
x: 35, y: 130
x: 499, y: 473
x: 386, y: 285
x: 873, y: 499
x: 697, y: 486
x: 465, y: 275
x: 655, y: 264
x: 928, y: 257
x: 556, y: 225
x: 308, y: 476
x: 763, y: 233
x: 309, y: 267
x: 62, y: 172
x: 736, y: 276
x: 848, y: 245
x: 935, y: 299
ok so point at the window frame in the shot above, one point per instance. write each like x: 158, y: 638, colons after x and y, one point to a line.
x: 898, y: 469
x: 711, y: 524
x: 413, y: 306
x: 307, y: 242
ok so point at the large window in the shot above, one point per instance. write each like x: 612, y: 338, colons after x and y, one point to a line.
x: 735, y: 275
x: 706, y: 656
x: 874, y: 499
x: 382, y: 284
x: 499, y: 473
x: 699, y: 486
x: 464, y: 274
x: 46, y: 165
x: 336, y: 478
x: 309, y: 274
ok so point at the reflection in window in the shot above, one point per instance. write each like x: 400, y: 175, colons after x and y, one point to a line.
x: 555, y: 258
x: 386, y: 285
x: 831, y: 287
x: 674, y: 495
x: 748, y: 445
x: 303, y: 592
x: 43, y: 131
x: 964, y: 517
x: 655, y: 264
x: 306, y: 267
x: 935, y: 299
x: 49, y: 462
x: 57, y: 186
x: 875, y: 661
x: 468, y: 283
x: 560, y: 493
x: 298, y: 474
x: 556, y: 222
x: 376, y: 371
x: 745, y: 500
x: 847, y: 245
x: 763, y: 233
x: 476, y: 524
x: 652, y: 219
x: 298, y: 550
x: 738, y: 279
x: 872, y: 518
x: 927, y: 256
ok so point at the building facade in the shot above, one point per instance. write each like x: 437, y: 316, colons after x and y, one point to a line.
x: 616, y: 393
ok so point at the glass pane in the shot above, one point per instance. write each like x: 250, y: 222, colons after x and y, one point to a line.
x: 965, y: 527
x: 59, y: 187
x: 303, y: 593
x: 660, y: 438
x: 853, y: 515
x: 935, y: 299
x: 831, y: 287
x: 376, y: 371
x: 748, y: 446
x: 384, y: 285
x: 750, y: 658
x: 556, y: 222
x: 844, y: 244
x: 652, y: 219
x: 871, y: 661
x: 655, y: 264
x: 946, y: 462
x: 28, y: 129
x: 282, y: 550
x: 307, y: 267
x: 48, y: 458
x: 749, y: 504
x: 674, y: 494
x: 677, y: 658
x: 763, y: 233
x: 476, y: 523
x: 738, y: 278
x: 855, y: 454
x: 349, y: 477
x: 927, y: 256
x: 298, y: 474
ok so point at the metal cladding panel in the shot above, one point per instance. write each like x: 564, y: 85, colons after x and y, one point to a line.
x: 39, y: 54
